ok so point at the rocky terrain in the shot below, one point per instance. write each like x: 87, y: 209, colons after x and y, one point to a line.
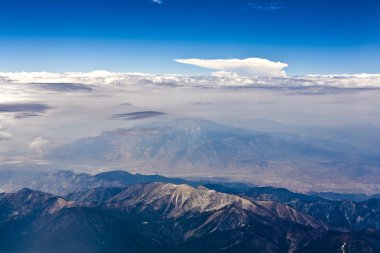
x: 167, y: 217
x: 342, y: 214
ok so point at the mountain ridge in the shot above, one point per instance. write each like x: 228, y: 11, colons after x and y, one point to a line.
x: 164, y: 217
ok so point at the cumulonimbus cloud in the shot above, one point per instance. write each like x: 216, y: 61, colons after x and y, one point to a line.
x: 249, y: 67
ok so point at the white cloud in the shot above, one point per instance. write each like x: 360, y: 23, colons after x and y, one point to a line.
x: 39, y: 145
x: 94, y: 77
x: 218, y: 79
x: 157, y: 1
x: 4, y: 135
x: 227, y: 74
x: 249, y: 67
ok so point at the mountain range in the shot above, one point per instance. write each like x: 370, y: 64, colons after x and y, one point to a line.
x: 121, y: 212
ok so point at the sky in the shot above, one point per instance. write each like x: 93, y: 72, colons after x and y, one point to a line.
x: 312, y: 37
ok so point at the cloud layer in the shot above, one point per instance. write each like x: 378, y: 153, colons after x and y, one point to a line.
x: 250, y: 67
x: 70, y: 106
x: 86, y: 81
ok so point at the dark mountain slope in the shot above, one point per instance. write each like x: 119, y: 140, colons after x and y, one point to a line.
x: 345, y: 215
x: 159, y: 217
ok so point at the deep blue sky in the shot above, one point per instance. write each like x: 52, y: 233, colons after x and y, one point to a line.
x: 341, y: 36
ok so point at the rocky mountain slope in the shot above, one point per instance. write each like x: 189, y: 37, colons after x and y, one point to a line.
x: 164, y: 217
x: 344, y: 214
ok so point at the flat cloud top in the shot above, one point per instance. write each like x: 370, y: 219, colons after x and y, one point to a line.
x: 249, y: 67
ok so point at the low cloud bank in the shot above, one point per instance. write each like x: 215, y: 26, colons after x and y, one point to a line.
x: 222, y: 80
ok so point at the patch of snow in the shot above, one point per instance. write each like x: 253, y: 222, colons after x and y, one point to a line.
x: 344, y: 245
x: 214, y: 229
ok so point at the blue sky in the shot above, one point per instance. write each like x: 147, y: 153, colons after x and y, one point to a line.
x: 313, y: 37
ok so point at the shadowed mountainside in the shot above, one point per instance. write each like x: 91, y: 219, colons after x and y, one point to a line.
x: 164, y: 217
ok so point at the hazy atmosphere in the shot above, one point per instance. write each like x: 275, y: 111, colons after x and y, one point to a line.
x: 45, y: 112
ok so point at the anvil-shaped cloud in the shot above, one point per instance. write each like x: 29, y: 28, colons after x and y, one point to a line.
x: 249, y: 67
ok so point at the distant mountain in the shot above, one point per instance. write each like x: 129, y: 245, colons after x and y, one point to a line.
x: 187, y: 147
x: 163, y: 217
x: 347, y: 196
x: 65, y: 182
x: 191, y: 142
